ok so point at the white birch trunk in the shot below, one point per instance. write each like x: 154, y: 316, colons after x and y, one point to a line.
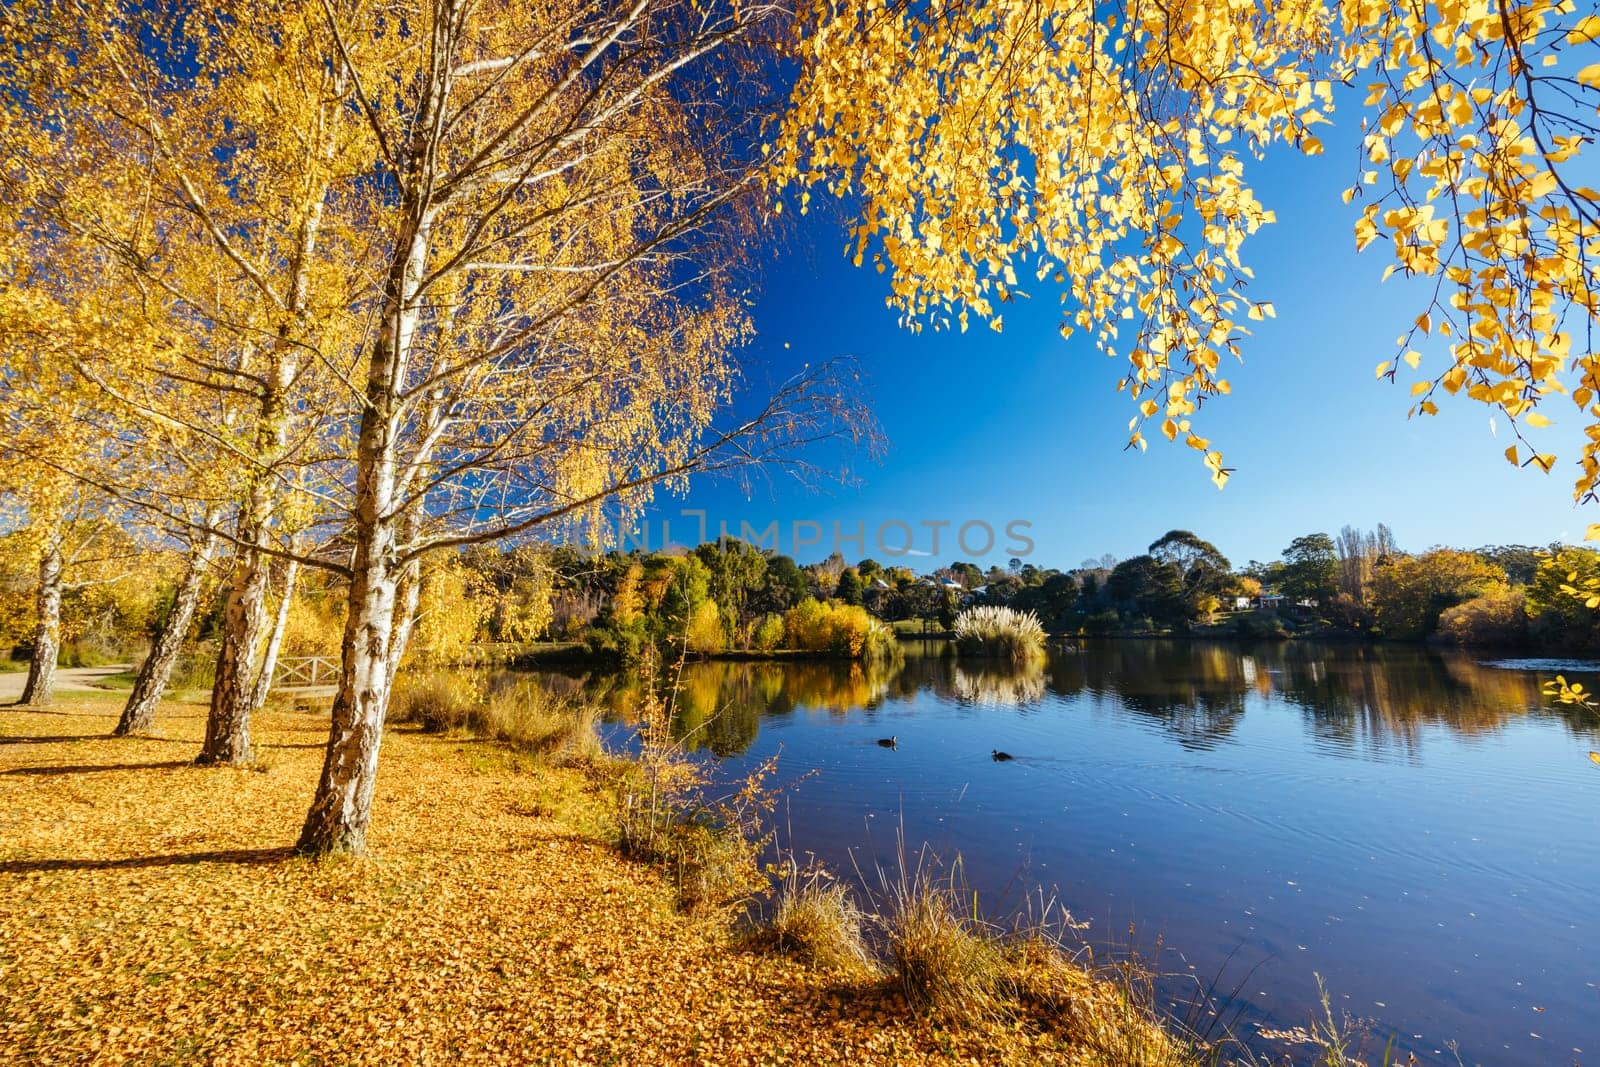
x: 269, y: 659
x: 138, y: 715
x: 342, y: 807
x: 41, y: 683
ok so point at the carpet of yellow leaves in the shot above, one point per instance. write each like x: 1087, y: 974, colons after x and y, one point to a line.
x: 151, y: 911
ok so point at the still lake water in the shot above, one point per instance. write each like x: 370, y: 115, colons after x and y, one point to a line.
x: 1420, y: 829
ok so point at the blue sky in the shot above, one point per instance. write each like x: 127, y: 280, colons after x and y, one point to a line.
x: 1026, y: 426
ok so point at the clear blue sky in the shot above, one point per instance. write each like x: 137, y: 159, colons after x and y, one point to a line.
x: 1027, y: 426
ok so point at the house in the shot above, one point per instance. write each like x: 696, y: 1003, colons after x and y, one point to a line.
x: 1269, y: 601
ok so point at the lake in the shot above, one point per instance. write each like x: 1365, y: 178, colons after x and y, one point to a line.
x: 1422, y: 830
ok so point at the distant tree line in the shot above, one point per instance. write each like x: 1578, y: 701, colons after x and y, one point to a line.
x: 729, y: 596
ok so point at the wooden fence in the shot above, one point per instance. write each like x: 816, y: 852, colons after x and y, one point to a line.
x: 305, y: 671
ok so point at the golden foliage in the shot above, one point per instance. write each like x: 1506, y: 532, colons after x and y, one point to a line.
x: 840, y: 629
x: 705, y: 633
x: 1102, y: 151
x: 452, y: 606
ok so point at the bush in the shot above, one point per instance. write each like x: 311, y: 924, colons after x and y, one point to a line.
x: 91, y: 651
x: 624, y: 642
x: 769, y: 633
x: 1102, y: 623
x: 705, y: 634
x: 999, y: 633
x: 1262, y: 625
x: 1497, y: 619
x: 837, y: 629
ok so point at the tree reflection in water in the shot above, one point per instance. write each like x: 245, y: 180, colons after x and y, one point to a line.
x: 1378, y: 697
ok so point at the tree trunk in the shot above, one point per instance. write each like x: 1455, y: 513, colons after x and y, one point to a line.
x: 342, y: 807
x: 269, y: 659
x: 41, y: 682
x: 228, y: 722
x: 138, y: 715
x: 337, y: 821
x: 244, y: 619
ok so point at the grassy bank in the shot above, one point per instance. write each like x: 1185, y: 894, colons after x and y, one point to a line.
x: 155, y: 914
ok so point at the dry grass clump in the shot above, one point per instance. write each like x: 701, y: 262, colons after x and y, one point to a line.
x: 816, y: 919
x: 527, y: 717
x: 951, y: 962
x: 946, y: 959
x: 999, y: 633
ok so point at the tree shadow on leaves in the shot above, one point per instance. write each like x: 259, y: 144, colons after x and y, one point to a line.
x: 64, y: 739
x: 93, y: 768
x: 244, y: 857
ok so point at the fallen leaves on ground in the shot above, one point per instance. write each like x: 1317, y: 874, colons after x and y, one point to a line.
x: 154, y: 913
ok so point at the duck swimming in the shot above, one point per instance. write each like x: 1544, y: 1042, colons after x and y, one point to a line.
x: 889, y: 742
x: 1001, y: 757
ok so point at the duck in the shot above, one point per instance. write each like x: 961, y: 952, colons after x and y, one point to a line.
x: 1001, y: 757
x: 889, y: 742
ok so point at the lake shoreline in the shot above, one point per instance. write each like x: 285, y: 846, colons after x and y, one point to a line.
x: 577, y: 654
x: 500, y: 945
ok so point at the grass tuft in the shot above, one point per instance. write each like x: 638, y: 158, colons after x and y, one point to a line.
x: 999, y: 633
x: 946, y: 960
x: 526, y: 718
x: 816, y: 919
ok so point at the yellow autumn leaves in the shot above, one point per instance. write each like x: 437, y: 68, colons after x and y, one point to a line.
x: 1103, y: 152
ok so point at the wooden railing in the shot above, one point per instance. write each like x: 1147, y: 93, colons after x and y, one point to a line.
x: 305, y: 671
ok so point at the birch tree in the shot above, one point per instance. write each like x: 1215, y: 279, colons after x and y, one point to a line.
x: 217, y: 141
x: 47, y: 439
x: 554, y: 328
x: 496, y: 250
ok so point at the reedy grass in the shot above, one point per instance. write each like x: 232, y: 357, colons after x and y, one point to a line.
x: 816, y: 918
x: 526, y: 718
x: 999, y: 633
x: 709, y: 845
x: 945, y: 960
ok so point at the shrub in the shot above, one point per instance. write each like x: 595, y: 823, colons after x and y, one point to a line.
x: 837, y: 629
x: 624, y: 642
x: 1260, y: 624
x: 704, y: 633
x: 196, y: 667
x: 769, y: 633
x: 999, y: 633
x: 1498, y: 618
x: 1102, y: 622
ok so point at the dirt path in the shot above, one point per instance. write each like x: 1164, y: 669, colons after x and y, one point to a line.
x: 68, y: 680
